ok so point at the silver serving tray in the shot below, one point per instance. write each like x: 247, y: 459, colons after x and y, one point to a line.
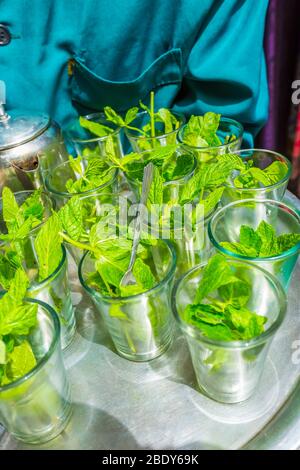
x: 123, y: 405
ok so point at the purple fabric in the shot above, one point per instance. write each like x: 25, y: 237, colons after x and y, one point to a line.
x: 282, y: 47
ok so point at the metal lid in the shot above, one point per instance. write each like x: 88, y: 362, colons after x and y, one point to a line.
x: 17, y: 130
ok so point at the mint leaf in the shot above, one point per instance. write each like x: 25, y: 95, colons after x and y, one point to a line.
x: 170, y: 122
x: 204, y: 313
x: 143, y: 275
x: 33, y: 206
x: 10, y: 209
x: 9, y: 263
x: 236, y: 293
x: 131, y: 115
x: 276, y: 171
x: 155, y: 195
x: 201, y: 131
x: 48, y: 246
x: 247, y: 323
x: 21, y: 361
x: 96, y: 128
x: 234, y: 160
x: 178, y: 167
x: 268, y: 238
x: 238, y: 248
x: 112, y: 116
x: 216, y: 274
x: 250, y: 239
x: 286, y: 241
x: 71, y: 217
x: 212, y: 200
x: 18, y: 320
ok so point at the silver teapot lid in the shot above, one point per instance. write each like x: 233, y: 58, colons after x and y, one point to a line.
x: 20, y: 129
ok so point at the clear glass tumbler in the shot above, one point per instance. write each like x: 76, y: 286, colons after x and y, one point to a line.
x: 226, y: 223
x: 227, y: 127
x: 141, y: 326
x: 140, y: 143
x: 229, y: 371
x: 261, y: 159
x: 55, y: 183
x: 37, y: 407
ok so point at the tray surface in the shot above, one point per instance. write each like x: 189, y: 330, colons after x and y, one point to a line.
x: 123, y: 405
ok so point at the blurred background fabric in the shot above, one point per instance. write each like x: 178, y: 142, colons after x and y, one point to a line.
x: 282, y: 48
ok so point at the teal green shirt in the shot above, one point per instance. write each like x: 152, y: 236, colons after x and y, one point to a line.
x: 196, y: 55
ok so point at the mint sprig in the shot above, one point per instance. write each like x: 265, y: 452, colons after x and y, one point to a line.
x: 262, y: 242
x: 220, y: 306
x: 16, y: 321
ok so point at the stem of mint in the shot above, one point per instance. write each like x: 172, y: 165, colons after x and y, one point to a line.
x: 152, y: 119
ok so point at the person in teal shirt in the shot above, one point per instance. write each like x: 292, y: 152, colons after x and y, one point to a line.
x: 76, y: 56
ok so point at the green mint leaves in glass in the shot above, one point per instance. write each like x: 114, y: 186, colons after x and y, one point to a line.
x: 263, y: 232
x: 80, y: 176
x: 138, y: 316
x: 257, y: 174
x: 229, y: 311
x: 211, y: 135
x: 31, y: 240
x: 34, y: 393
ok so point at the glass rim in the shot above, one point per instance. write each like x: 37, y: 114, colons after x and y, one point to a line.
x: 195, y: 332
x: 271, y: 186
x: 116, y: 131
x: 48, y: 354
x: 39, y: 285
x: 280, y: 205
x: 223, y: 119
x: 69, y: 195
x: 50, y: 202
x: 130, y: 133
x: 119, y: 299
x: 181, y: 178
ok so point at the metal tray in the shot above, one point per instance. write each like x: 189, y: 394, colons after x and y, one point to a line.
x: 123, y: 405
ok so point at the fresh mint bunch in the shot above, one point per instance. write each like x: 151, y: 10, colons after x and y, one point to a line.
x: 220, y: 307
x: 17, y: 319
x: 262, y: 242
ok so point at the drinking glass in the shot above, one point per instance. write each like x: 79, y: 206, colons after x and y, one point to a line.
x: 37, y: 407
x: 141, y: 326
x: 225, y: 226
x: 227, y: 127
x: 229, y: 371
x: 261, y: 159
